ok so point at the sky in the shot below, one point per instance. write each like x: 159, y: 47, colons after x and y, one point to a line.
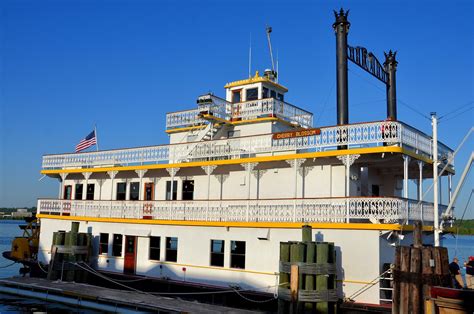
x: 66, y: 66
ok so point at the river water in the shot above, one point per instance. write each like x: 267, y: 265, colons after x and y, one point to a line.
x: 461, y: 247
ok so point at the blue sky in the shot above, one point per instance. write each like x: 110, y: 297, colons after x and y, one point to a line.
x: 67, y: 65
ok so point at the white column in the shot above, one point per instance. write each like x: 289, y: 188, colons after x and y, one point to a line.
x: 420, y: 187
x: 406, y: 161
x: 172, y: 172
x: 450, y: 187
x: 112, y: 175
x: 100, y: 182
x: 248, y: 167
x: 221, y: 178
x: 141, y: 173
x: 304, y: 172
x: 62, y: 177
x: 296, y: 164
x: 434, y: 123
x: 86, y: 175
x: 347, y: 161
x: 258, y: 175
x: 208, y: 170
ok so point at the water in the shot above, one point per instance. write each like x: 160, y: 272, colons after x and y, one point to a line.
x: 461, y: 247
x: 13, y: 304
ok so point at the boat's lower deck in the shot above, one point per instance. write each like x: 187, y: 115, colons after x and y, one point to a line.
x: 247, y: 257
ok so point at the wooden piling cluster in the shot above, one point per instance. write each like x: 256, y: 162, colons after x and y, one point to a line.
x: 417, y: 269
x: 307, y: 276
x: 68, y: 249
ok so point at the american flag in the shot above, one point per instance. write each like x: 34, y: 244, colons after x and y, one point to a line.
x: 87, y: 142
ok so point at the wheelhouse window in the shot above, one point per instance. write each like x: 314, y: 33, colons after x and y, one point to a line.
x: 90, y: 192
x: 104, y: 243
x: 155, y: 248
x: 67, y: 192
x: 134, y: 191
x: 237, y: 254
x: 188, y: 190
x: 236, y: 96
x: 265, y: 92
x: 78, y: 191
x: 273, y: 94
x: 281, y: 97
x: 251, y: 94
x: 117, y: 245
x: 121, y: 191
x: 171, y: 249
x: 168, y: 191
x: 217, y: 253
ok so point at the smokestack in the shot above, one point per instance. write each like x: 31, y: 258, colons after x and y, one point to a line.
x: 390, y: 66
x: 341, y: 28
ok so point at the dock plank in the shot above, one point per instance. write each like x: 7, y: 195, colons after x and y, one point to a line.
x: 125, y: 298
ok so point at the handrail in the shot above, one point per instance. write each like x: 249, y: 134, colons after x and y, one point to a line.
x: 353, y: 135
x: 352, y: 209
x: 242, y: 110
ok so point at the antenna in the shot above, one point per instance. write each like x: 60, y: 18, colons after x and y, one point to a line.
x: 269, y: 30
x: 277, y: 71
x: 250, y: 56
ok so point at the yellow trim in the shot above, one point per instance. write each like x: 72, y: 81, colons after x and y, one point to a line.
x: 256, y: 79
x: 332, y: 153
x: 234, y: 224
x: 189, y: 128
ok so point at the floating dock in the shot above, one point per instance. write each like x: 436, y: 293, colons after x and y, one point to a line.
x: 105, y: 299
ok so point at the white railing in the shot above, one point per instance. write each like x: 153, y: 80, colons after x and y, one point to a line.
x: 254, y: 109
x: 244, y: 111
x: 353, y: 209
x: 352, y: 135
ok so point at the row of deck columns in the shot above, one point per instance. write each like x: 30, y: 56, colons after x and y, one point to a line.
x: 296, y: 164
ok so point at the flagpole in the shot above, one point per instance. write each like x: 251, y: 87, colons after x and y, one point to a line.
x: 96, y: 138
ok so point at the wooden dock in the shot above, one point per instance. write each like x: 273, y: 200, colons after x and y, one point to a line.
x: 99, y: 298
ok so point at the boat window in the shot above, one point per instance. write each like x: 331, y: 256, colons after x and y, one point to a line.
x: 236, y: 96
x: 168, y: 190
x: 78, y: 192
x: 251, y: 94
x: 237, y: 254
x: 171, y: 249
x: 155, y: 245
x: 281, y: 97
x: 104, y: 243
x: 273, y: 94
x: 188, y: 190
x: 265, y: 92
x: 134, y: 191
x: 117, y: 245
x: 90, y: 191
x: 217, y: 253
x: 121, y: 191
x: 67, y: 192
x: 375, y: 190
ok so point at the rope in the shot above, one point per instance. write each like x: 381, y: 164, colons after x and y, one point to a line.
x: 5, y: 266
x: 182, y: 293
x: 369, y: 285
x: 119, y: 280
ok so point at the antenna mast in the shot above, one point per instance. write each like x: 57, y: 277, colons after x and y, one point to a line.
x: 250, y: 56
x: 269, y: 30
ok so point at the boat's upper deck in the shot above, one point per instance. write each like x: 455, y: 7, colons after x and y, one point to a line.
x: 271, y: 126
x: 354, y: 136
